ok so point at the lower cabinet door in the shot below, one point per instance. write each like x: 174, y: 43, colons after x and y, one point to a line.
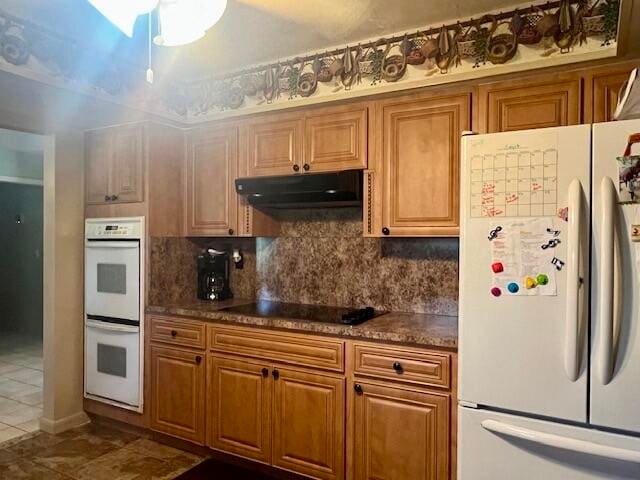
x: 308, y: 424
x: 400, y: 434
x: 239, y: 410
x: 178, y: 389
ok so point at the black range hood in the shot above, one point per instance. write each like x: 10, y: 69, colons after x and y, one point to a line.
x: 341, y: 189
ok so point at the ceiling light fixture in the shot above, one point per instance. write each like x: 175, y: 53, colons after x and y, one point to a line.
x: 181, y: 21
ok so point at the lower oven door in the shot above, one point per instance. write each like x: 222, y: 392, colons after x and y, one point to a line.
x: 112, y: 362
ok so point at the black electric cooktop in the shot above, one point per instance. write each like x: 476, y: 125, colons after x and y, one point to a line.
x: 314, y: 313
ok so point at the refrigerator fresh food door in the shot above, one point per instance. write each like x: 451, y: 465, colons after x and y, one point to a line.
x: 499, y: 446
x: 523, y: 336
x: 615, y: 373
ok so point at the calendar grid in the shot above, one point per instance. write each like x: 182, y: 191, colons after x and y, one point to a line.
x: 514, y: 183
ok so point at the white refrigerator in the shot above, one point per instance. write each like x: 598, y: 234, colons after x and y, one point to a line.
x: 549, y: 318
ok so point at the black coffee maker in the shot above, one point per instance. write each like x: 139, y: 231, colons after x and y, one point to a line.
x: 213, y: 275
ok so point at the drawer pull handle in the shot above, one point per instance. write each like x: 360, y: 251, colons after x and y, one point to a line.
x: 265, y: 372
x: 358, y: 388
x: 174, y: 333
x: 198, y: 359
x: 397, y: 366
x: 276, y: 374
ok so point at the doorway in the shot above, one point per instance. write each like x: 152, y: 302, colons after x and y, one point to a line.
x: 21, y: 282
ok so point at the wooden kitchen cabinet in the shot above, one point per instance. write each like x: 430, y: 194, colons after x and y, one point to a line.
x: 336, y: 139
x: 605, y: 87
x: 178, y: 393
x: 551, y: 100
x: 418, y: 150
x: 274, y: 144
x: 308, y: 423
x: 115, y: 163
x: 239, y: 395
x: 211, y: 200
x: 399, y: 433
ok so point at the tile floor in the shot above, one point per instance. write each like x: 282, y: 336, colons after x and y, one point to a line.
x: 93, y: 452
x: 20, y: 385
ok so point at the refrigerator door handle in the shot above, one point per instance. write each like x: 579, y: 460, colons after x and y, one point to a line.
x: 574, y: 312
x: 607, y: 289
x: 564, y: 443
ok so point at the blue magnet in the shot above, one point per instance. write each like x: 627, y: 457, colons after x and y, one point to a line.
x: 513, y: 287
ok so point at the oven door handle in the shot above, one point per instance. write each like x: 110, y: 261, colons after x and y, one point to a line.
x: 118, y: 244
x: 112, y: 327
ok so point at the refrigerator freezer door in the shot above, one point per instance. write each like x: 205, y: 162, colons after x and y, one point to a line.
x: 615, y: 314
x: 517, y: 352
x: 499, y: 446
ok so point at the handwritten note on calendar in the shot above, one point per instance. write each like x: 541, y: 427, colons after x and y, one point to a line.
x: 513, y: 179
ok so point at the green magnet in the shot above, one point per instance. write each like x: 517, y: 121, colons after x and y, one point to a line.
x: 542, y: 279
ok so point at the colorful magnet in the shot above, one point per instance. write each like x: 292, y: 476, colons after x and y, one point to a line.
x: 494, y: 233
x: 563, y: 213
x: 496, y: 292
x: 530, y: 283
x: 556, y: 262
x: 635, y: 233
x: 497, y: 267
x: 542, y: 279
x: 513, y: 287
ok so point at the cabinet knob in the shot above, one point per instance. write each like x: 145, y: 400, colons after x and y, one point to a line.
x: 231, y: 231
x: 385, y: 231
x: 358, y: 388
x: 276, y: 374
x: 114, y: 197
x: 397, y: 366
x: 173, y: 333
x: 265, y: 372
x: 306, y: 167
x: 296, y: 168
x: 198, y: 359
x: 107, y: 198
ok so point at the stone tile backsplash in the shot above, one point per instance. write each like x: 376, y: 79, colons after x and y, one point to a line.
x: 320, y: 258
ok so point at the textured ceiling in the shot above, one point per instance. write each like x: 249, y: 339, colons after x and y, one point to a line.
x: 254, y: 31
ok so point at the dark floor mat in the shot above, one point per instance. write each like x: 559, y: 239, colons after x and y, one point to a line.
x: 212, y: 469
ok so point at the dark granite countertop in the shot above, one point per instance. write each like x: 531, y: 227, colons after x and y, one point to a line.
x: 406, y: 328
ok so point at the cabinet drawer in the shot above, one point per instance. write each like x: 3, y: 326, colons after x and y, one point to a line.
x: 279, y: 347
x: 178, y: 332
x: 412, y: 366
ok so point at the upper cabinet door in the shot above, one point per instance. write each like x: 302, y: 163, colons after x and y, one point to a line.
x: 336, y: 139
x: 538, y: 102
x: 127, y: 174
x: 98, y: 167
x: 274, y: 147
x: 606, y: 90
x: 420, y: 163
x: 212, y: 162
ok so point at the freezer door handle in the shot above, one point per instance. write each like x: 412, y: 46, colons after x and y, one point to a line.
x: 558, y: 441
x: 607, y: 291
x: 574, y: 312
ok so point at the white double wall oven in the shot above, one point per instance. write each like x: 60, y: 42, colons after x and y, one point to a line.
x: 114, y: 311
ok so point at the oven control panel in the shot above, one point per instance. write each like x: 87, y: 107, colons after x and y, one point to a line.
x: 105, y: 229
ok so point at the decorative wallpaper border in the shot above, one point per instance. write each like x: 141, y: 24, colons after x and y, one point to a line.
x: 553, y: 33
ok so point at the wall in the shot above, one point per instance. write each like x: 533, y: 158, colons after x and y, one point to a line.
x: 320, y: 258
x: 20, y: 164
x: 21, y: 259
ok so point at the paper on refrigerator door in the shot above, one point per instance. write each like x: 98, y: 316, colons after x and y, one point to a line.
x: 518, y: 246
x: 511, y: 178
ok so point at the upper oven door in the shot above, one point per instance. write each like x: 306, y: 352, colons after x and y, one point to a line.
x: 112, y: 279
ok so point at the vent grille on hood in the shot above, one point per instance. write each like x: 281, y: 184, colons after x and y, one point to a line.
x: 340, y: 189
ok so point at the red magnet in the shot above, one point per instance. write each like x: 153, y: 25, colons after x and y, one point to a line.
x: 496, y: 292
x: 497, y: 267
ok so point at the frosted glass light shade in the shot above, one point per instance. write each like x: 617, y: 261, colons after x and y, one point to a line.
x: 123, y: 13
x: 185, y: 21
